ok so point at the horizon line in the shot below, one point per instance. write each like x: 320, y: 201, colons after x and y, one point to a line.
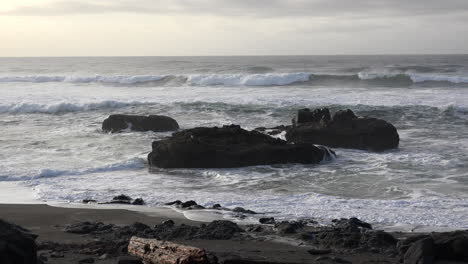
x: 277, y: 55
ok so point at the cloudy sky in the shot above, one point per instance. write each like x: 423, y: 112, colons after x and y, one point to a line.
x: 231, y: 27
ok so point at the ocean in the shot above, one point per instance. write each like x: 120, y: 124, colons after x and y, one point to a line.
x: 51, y: 110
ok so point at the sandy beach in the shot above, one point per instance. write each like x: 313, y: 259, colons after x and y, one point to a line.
x: 48, y: 223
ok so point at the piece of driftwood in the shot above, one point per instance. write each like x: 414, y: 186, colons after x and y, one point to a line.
x: 153, y: 251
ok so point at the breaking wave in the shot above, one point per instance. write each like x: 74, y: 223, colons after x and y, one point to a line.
x: 254, y: 79
x: 65, y: 107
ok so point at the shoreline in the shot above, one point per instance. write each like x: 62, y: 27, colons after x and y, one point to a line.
x: 259, y: 243
x: 49, y: 223
x: 14, y: 193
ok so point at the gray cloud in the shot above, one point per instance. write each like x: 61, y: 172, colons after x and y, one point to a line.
x: 252, y: 8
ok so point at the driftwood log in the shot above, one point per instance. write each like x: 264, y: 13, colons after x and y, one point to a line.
x: 153, y: 251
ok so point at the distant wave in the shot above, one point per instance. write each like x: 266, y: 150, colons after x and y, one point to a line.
x: 64, y: 107
x: 270, y: 79
x: 130, y: 164
x: 257, y: 79
x: 260, y: 69
x: 413, y: 77
x: 131, y: 79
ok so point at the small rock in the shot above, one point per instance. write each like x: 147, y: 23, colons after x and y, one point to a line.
x: 168, y: 223
x: 138, y: 201
x: 129, y: 260
x: 288, y: 227
x: 89, y: 201
x: 103, y: 256
x: 267, y: 220
x: 139, y: 226
x: 177, y: 202
x: 319, y: 251
x: 242, y: 210
x: 216, y: 206
x: 121, y: 199
x: 187, y: 204
x: 56, y: 255
x: 196, y: 207
x: 322, y: 258
x: 254, y: 228
x: 86, y: 260
x: 340, y: 260
x: 42, y: 258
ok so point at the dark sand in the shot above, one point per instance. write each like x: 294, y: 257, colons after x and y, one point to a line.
x: 48, y: 222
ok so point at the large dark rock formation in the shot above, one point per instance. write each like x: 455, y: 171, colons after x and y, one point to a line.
x: 424, y: 249
x: 343, y: 130
x: 17, y: 245
x: 229, y: 146
x: 156, y: 123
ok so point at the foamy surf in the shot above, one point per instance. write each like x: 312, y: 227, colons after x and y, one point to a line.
x: 383, y: 78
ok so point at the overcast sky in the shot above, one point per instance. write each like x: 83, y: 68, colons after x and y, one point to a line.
x: 231, y: 27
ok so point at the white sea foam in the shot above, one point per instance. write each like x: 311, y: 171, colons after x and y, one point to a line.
x: 418, y: 78
x: 131, y: 164
x: 64, y: 107
x: 234, y: 79
x: 120, y: 79
x: 248, y: 79
x: 414, y: 77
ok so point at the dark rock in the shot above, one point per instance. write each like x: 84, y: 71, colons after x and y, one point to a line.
x: 351, y: 223
x: 254, y: 228
x: 121, y: 199
x: 168, y: 223
x: 340, y: 260
x: 57, y: 255
x: 319, y: 251
x: 156, y: 123
x: 174, y: 203
x: 86, y: 260
x: 352, y: 235
x: 226, y: 147
x: 89, y: 201
x: 267, y: 220
x: 451, y: 246
x: 216, y: 206
x: 286, y: 227
x: 137, y: 226
x: 138, y: 201
x: 17, y: 245
x: 317, y: 116
x: 243, y: 211
x: 421, y: 252
x: 220, y: 230
x: 187, y: 204
x: 129, y: 260
x: 196, y: 207
x: 344, y: 130
x: 87, y: 227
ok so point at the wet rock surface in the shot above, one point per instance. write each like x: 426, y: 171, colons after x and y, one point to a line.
x: 342, y: 130
x: 227, y: 147
x: 216, y: 230
x: 424, y: 249
x: 119, y: 199
x: 156, y: 123
x: 17, y: 245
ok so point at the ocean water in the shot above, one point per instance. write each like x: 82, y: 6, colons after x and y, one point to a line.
x: 51, y: 110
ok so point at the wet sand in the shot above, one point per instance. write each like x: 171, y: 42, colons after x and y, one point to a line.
x: 48, y: 223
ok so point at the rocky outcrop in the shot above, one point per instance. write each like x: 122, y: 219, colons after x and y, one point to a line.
x: 227, y: 147
x: 17, y: 245
x: 424, y: 249
x: 342, y: 130
x: 156, y: 123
